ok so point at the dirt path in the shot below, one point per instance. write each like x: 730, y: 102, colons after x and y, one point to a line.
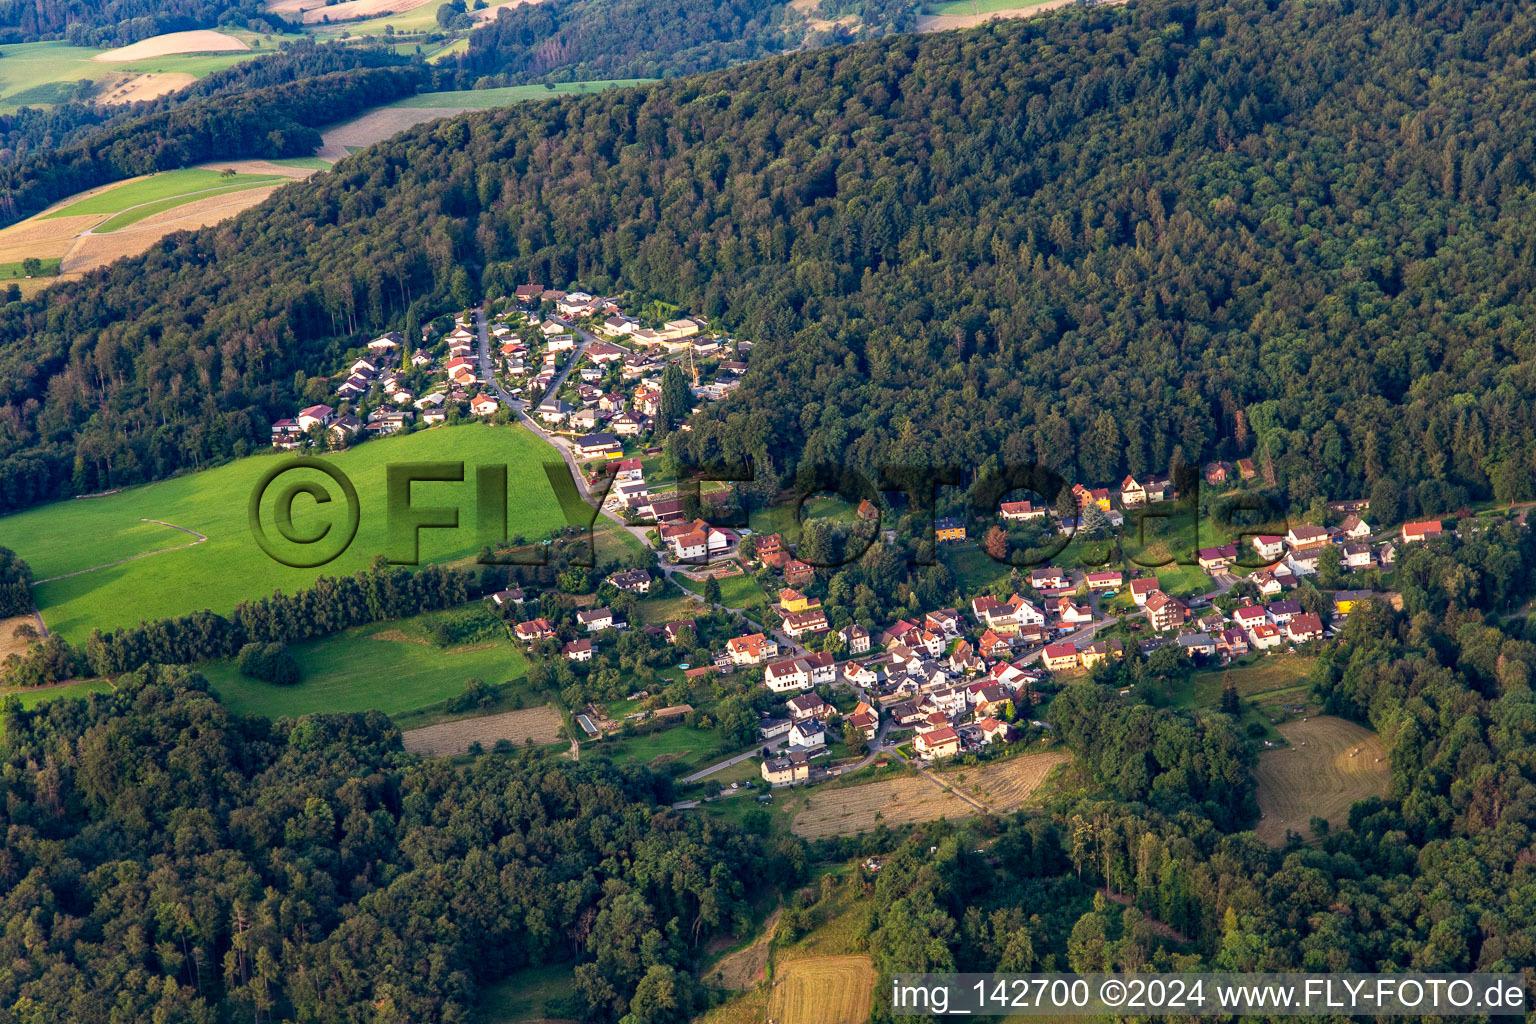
x: 134, y: 558
x: 242, y: 186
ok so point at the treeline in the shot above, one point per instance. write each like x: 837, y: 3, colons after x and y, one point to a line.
x: 15, y: 585
x: 576, y: 40
x: 278, y: 121
x: 1081, y: 239
x: 310, y: 871
x: 331, y: 605
x: 108, y: 23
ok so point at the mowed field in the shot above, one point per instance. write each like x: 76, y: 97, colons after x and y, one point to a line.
x: 1330, y: 764
x: 542, y: 725
x: 1003, y: 786
x: 389, y: 667
x: 95, y: 227
x: 76, y: 536
x: 196, y: 41
x: 823, y: 990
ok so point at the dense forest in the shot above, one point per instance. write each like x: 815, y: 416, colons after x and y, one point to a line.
x: 107, y: 23
x: 277, y: 121
x: 167, y: 861
x: 575, y: 40
x: 1094, y: 239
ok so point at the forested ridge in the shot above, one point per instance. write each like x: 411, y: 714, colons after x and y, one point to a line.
x: 1299, y: 233
x: 108, y: 23
x: 166, y: 861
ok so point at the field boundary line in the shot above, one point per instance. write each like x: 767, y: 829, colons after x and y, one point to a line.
x: 201, y: 539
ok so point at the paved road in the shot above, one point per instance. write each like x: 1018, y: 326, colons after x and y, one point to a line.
x: 703, y: 773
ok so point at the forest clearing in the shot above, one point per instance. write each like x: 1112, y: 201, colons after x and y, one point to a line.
x: 1330, y: 764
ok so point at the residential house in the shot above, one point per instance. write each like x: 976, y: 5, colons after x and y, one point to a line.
x: 591, y: 446
x: 800, y: 673
x: 287, y: 434
x: 1021, y: 511
x: 484, y: 405
x: 1249, y: 616
x: 798, y: 573
x: 1346, y: 601
x: 1264, y: 636
x: 938, y: 743
x: 808, y: 734
x: 1218, y: 559
x: 1142, y: 589
x: 753, y: 649
x: 791, y: 600
x: 578, y: 650
x: 1268, y: 585
x: 534, y: 629
x: 1060, y: 657
x: 1357, y: 556
x: 635, y: 581
x: 1070, y: 613
x: 1412, y: 532
x: 866, y: 720
x: 1302, y: 628
x: 674, y: 629
x: 1305, y: 536
x: 949, y: 530
x: 345, y: 428
x: 808, y: 705
x: 1233, y: 642
x: 994, y: 645
x: 594, y: 620
x: 799, y: 624
x: 315, y: 416
x: 1217, y: 473
x: 1197, y: 643
x: 1165, y: 612
x: 1283, y: 611
x: 1107, y: 581
x: 793, y: 767
x: 1132, y: 493
x: 1355, y: 528
x: 1270, y: 548
x: 855, y: 638
x: 1048, y: 577
x: 994, y: 731
x: 945, y: 621
x: 1246, y: 469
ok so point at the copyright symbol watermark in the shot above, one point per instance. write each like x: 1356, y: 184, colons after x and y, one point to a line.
x: 321, y: 543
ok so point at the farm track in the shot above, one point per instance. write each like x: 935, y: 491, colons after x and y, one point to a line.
x: 201, y: 539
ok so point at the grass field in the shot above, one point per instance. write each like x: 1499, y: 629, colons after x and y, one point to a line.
x: 521, y: 996
x: 14, y: 271
x: 1330, y: 764
x: 1263, y: 674
x: 153, y: 188
x: 388, y: 666
x: 73, y: 536
x: 823, y: 990
x: 678, y: 744
x: 739, y: 592
x: 909, y: 799
x: 31, y: 697
x: 140, y: 212
x: 485, y: 99
x: 40, y: 74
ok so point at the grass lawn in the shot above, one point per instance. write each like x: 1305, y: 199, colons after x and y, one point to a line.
x: 387, y: 665
x: 974, y: 569
x: 1184, y: 580
x: 484, y: 99
x: 521, y: 996
x: 14, y: 271
x: 70, y: 536
x: 678, y: 743
x: 138, y: 213
x: 1255, y: 674
x: 662, y: 610
x: 172, y: 186
x: 738, y: 592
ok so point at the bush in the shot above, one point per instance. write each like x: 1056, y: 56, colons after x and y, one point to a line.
x: 269, y: 662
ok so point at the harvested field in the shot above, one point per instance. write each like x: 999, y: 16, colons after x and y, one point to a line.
x: 148, y: 86
x: 378, y: 125
x: 354, y: 10
x: 1003, y: 786
x: 92, y: 250
x: 197, y: 41
x: 542, y: 725
x: 1009, y: 785
x: 1330, y: 764
x: 745, y: 967
x: 45, y: 239
x: 8, y: 642
x: 823, y: 990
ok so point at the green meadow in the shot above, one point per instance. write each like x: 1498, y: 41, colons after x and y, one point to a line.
x: 44, y: 73
x: 174, y: 187
x: 484, y: 99
x: 388, y: 666
x: 87, y: 533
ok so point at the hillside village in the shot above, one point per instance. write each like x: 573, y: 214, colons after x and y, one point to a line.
x: 963, y: 681
x: 583, y: 367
